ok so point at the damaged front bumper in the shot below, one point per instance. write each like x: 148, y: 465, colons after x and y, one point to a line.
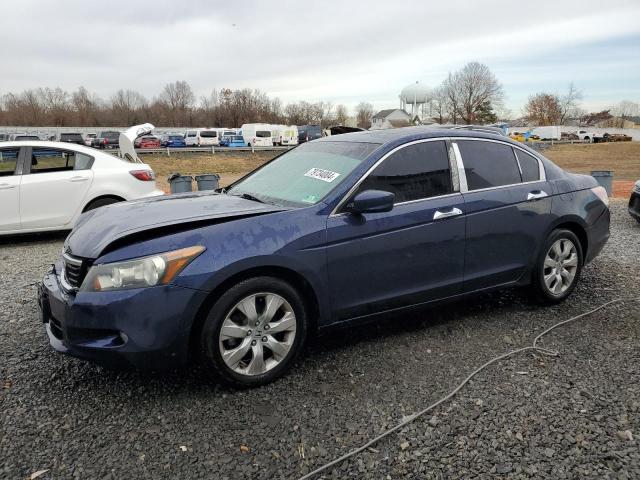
x: 142, y: 328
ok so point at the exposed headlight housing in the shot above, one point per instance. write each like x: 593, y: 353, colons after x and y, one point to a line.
x: 140, y: 272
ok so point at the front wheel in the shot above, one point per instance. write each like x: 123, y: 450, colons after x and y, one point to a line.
x: 558, y: 267
x: 254, y: 332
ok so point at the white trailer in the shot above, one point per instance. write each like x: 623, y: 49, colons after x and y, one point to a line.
x: 548, y: 133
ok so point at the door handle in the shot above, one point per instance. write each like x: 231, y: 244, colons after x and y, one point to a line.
x: 6, y: 186
x: 454, y: 212
x: 78, y: 179
x: 536, y: 195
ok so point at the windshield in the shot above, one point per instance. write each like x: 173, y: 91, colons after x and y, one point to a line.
x: 263, y: 134
x: 304, y: 175
x: 176, y: 137
x: 209, y: 134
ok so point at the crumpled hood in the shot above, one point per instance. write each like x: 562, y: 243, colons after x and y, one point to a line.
x: 99, y: 228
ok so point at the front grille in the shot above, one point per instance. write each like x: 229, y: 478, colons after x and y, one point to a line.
x: 75, y: 270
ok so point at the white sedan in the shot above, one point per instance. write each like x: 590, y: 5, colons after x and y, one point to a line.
x: 48, y: 185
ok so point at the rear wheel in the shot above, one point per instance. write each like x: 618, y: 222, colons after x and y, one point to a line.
x: 101, y: 202
x: 558, y: 267
x: 254, y: 332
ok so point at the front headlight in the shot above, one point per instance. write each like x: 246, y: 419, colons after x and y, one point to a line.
x: 141, y: 272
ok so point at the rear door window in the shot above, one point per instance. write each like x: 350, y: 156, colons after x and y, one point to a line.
x: 529, y: 166
x: 488, y: 164
x: 414, y: 172
x: 47, y: 160
x: 8, y: 161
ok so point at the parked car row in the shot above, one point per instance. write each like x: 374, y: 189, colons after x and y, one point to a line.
x: 248, y: 135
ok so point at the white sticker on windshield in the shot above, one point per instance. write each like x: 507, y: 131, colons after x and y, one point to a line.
x: 320, y: 174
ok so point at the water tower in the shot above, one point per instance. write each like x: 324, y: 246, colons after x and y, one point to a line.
x: 416, y: 96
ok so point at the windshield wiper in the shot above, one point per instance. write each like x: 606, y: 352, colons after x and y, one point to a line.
x: 248, y: 196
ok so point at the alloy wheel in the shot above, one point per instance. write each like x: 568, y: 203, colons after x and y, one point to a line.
x: 257, y: 333
x: 560, y: 266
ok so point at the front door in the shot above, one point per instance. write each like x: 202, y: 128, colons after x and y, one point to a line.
x: 410, y: 255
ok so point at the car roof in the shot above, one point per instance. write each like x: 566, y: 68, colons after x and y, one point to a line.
x: 47, y: 144
x: 393, y: 135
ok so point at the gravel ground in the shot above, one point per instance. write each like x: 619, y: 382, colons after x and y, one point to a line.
x: 530, y: 416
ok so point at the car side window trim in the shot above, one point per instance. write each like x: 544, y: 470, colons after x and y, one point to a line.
x: 28, y: 152
x: 17, y: 169
x: 541, y: 171
x: 462, y: 173
x: 337, y: 210
x: 513, y: 151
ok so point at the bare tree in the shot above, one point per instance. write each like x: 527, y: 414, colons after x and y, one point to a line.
x: 364, y: 112
x: 452, y: 95
x: 439, y: 102
x: 471, y: 91
x: 342, y: 115
x: 626, y: 108
x: 177, y: 98
x: 85, y: 107
x: 56, y: 105
x: 569, y: 103
x: 544, y: 109
x: 126, y: 107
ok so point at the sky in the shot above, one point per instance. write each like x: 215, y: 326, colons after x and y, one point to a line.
x: 336, y: 51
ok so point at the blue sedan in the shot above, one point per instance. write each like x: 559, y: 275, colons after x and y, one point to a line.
x: 174, y: 141
x: 337, y: 230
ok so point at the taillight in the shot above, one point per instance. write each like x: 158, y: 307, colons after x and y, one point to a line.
x: 601, y: 193
x: 144, y: 175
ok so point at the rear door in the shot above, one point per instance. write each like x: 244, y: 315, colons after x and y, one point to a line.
x: 54, y: 187
x: 507, y: 207
x: 10, y: 169
x: 412, y: 254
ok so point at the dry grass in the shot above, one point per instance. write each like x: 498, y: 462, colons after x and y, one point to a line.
x: 229, y: 165
x: 623, y: 158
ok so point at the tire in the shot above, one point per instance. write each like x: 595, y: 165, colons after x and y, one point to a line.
x: 562, y: 250
x: 101, y: 202
x: 261, y: 356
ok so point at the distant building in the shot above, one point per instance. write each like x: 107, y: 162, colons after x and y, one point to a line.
x: 390, y: 118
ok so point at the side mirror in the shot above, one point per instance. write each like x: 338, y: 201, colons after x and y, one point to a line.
x: 372, y: 201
